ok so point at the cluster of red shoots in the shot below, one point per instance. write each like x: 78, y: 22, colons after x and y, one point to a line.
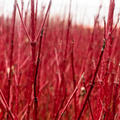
x: 53, y: 70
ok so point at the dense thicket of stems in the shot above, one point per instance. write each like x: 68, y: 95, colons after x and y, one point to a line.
x: 55, y: 69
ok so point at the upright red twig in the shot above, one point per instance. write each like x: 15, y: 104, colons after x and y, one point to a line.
x: 92, y: 83
x: 107, y: 63
x: 11, y: 54
x: 74, y: 80
x: 38, y: 62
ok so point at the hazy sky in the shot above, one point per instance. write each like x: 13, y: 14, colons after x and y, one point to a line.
x: 83, y: 11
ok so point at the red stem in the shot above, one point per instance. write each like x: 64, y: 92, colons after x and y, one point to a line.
x: 92, y: 84
x: 70, y: 98
x: 37, y: 66
x: 11, y: 55
x: 23, y: 23
x: 13, y: 117
x: 74, y: 81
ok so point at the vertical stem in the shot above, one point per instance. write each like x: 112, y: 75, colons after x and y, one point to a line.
x: 11, y: 54
x: 93, y: 82
x: 74, y: 81
x: 38, y: 62
x: 32, y: 21
x: 36, y: 11
x: 107, y: 66
x: 18, y: 68
x: 68, y: 30
x: 33, y: 45
x: 35, y: 80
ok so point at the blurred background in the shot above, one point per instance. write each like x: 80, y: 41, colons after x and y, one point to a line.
x: 83, y: 11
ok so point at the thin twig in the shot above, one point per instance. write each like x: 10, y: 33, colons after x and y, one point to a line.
x: 38, y: 61
x: 93, y: 82
x: 70, y: 98
x: 13, y: 117
x: 23, y: 23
